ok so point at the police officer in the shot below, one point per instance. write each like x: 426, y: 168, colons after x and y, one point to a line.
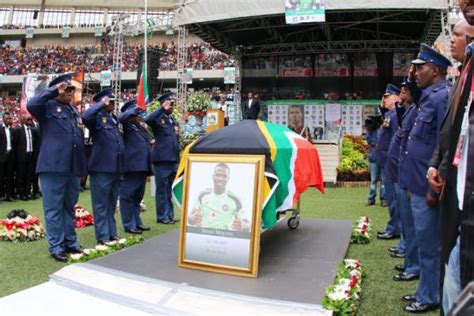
x: 431, y: 69
x: 105, y: 163
x: 165, y: 156
x: 410, y: 270
x: 136, y: 168
x: 61, y: 162
x: 386, y: 132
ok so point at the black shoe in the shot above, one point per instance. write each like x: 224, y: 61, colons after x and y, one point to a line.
x: 133, y: 231
x: 166, y: 222
x: 174, y: 221
x: 143, y: 227
x: 383, y: 204
x: 405, y: 277
x: 409, y: 298
x: 24, y: 198
x: 393, y: 249
x: 370, y: 203
x: 387, y: 236
x: 399, y: 267
x: 61, y: 257
x: 75, y: 250
x: 419, y: 308
x: 10, y: 199
x: 397, y: 255
x: 116, y: 238
x: 101, y: 242
x: 381, y: 232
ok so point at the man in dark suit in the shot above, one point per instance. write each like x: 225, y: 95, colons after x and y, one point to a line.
x: 23, y: 151
x: 6, y: 158
x: 442, y: 174
x: 251, y: 108
x: 36, y: 194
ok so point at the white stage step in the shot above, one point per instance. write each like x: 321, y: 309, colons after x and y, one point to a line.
x: 329, y: 157
x: 83, y: 289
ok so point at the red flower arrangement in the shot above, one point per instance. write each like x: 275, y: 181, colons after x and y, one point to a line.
x: 21, y: 226
x: 83, y: 217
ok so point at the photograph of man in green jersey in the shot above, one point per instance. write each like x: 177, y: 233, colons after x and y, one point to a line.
x: 217, y: 207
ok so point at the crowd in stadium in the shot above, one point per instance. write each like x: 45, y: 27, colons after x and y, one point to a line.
x: 60, y: 59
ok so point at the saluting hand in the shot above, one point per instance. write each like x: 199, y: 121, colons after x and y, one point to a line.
x: 62, y: 87
x: 411, y: 73
x: 167, y: 105
x: 106, y: 100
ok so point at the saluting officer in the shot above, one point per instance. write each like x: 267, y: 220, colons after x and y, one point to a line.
x: 61, y: 162
x: 165, y: 156
x: 105, y: 163
x: 385, y: 135
x: 431, y: 70
x: 136, y: 168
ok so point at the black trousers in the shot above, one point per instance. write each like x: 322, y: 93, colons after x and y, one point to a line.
x: 7, y: 184
x: 24, y: 175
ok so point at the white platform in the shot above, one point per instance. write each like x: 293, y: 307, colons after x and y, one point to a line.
x: 85, y: 289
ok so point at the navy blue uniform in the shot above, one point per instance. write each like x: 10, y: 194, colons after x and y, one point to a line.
x: 421, y: 144
x: 137, y: 166
x: 165, y: 156
x: 60, y: 163
x: 105, y: 168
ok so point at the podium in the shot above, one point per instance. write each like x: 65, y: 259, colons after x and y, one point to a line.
x: 215, y: 119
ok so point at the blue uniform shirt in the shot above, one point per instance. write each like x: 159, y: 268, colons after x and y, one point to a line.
x: 137, y: 144
x: 166, y: 147
x: 424, y: 135
x: 62, y: 147
x: 407, y: 124
x: 108, y: 147
x: 372, y: 142
x: 386, y: 132
x: 393, y: 154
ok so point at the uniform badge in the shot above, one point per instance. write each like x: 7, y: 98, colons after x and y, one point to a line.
x: 104, y: 120
x: 386, y: 122
x: 163, y: 122
x: 58, y: 109
x: 225, y: 208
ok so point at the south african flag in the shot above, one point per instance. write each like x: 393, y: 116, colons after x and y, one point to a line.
x: 292, y: 163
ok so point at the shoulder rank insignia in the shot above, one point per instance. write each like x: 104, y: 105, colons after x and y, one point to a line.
x: 58, y: 109
x: 104, y: 120
x: 163, y: 121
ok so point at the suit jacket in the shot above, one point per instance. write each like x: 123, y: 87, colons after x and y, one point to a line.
x: 62, y: 146
x: 21, y: 144
x: 251, y: 113
x: 3, y: 142
x: 137, y: 144
x: 36, y: 141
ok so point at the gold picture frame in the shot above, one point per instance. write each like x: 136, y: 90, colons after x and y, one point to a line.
x: 221, y: 213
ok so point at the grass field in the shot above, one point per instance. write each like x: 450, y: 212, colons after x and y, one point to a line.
x: 28, y: 264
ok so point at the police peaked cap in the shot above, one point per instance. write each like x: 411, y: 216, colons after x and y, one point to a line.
x: 61, y: 78
x: 391, y: 89
x: 104, y: 93
x: 428, y: 54
x: 167, y: 96
x: 128, y: 105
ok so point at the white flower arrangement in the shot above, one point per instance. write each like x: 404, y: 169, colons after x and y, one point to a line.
x: 342, y: 297
x: 360, y: 231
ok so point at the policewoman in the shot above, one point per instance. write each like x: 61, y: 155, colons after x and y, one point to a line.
x: 136, y: 167
x: 105, y: 163
x: 165, y: 156
x: 61, y: 162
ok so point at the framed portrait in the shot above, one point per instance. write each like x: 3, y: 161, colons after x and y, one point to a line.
x: 221, y: 214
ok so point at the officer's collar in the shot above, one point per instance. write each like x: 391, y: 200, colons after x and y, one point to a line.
x: 438, y: 84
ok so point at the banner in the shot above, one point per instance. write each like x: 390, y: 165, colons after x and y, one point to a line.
x: 295, y: 66
x: 229, y: 75
x: 260, y: 67
x: 331, y: 65
x: 365, y: 65
x: 352, y: 119
x: 105, y: 78
x: 98, y: 31
x: 304, y: 11
x: 29, y: 32
x: 401, y: 64
x: 66, y: 32
x: 188, y: 75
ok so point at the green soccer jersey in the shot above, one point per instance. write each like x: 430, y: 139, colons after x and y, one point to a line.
x: 218, y: 210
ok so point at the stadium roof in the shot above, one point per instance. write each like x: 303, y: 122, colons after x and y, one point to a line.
x: 258, y: 28
x: 152, y: 4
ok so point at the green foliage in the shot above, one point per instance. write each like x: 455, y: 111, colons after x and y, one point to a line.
x: 353, y: 164
x: 198, y: 103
